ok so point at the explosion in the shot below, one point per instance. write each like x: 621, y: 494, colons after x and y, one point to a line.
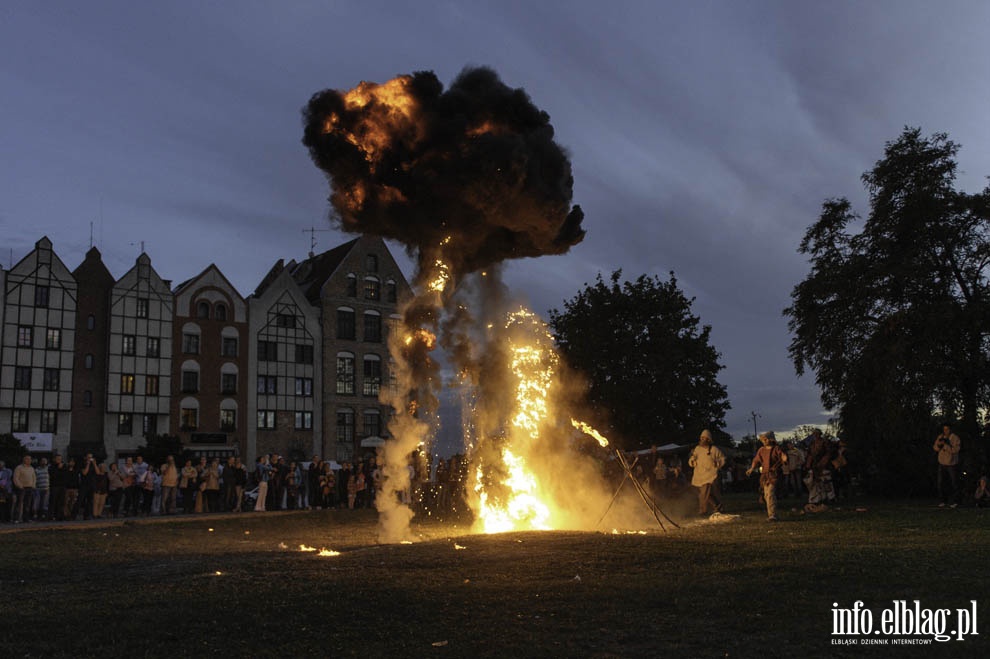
x: 465, y: 178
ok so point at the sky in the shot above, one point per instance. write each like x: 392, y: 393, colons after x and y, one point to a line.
x: 704, y: 136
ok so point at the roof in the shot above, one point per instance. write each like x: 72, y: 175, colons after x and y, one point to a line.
x: 312, y: 273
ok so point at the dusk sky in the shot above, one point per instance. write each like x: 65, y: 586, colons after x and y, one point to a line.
x: 704, y: 136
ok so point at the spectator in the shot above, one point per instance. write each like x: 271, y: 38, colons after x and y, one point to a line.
x: 128, y: 473
x: 188, y: 484
x: 212, y: 476
x: 240, y: 482
x: 57, y: 478
x: 262, y: 474
x: 72, y: 479
x: 87, y: 479
x: 948, y: 445
x: 170, y: 485
x: 115, y: 489
x: 24, y: 480
x: 42, y: 490
x: 227, y: 478
x: 818, y: 475
x: 6, y: 492
x: 101, y: 487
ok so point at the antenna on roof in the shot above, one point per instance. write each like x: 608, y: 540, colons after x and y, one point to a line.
x: 312, y: 239
x: 142, y: 246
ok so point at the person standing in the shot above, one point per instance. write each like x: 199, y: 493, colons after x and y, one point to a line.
x: 24, y: 481
x: 87, y: 480
x: 947, y: 445
x: 170, y: 484
x: 57, y: 478
x: 770, y: 458
x: 115, y: 488
x: 101, y: 487
x: 188, y: 483
x: 227, y: 478
x: 706, y: 460
x: 212, y: 490
x: 42, y: 491
x: 6, y: 492
x: 262, y: 473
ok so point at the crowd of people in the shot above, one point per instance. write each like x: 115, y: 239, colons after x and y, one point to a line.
x: 816, y: 468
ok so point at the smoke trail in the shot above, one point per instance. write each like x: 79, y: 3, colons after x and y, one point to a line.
x: 464, y: 178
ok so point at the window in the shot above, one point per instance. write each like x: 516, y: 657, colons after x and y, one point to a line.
x: 221, y: 311
x: 53, y: 339
x: 390, y: 291
x: 190, y: 382
x: 371, y: 288
x: 190, y: 344
x: 130, y: 345
x: 345, y: 323
x: 154, y: 346
x: 228, y: 347
x: 203, y: 310
x: 227, y: 420
x: 228, y: 383
x: 371, y: 263
x: 189, y: 418
x: 87, y: 398
x: 90, y: 322
x: 149, y: 425
x: 142, y: 307
x: 25, y: 336
x: 125, y: 423
x: 345, y: 373
x: 51, y: 379
x: 127, y: 383
x: 88, y: 361
x: 267, y: 384
x: 372, y: 423
x: 267, y: 351
x: 286, y: 320
x: 304, y: 386
x: 351, y: 285
x: 19, y: 421
x: 345, y: 425
x: 151, y: 385
x: 304, y: 354
x: 41, y: 296
x: 372, y: 375
x: 22, y: 377
x: 49, y: 421
x: 266, y: 419
x: 372, y: 327
x: 304, y: 420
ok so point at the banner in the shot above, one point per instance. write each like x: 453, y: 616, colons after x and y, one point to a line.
x: 35, y: 442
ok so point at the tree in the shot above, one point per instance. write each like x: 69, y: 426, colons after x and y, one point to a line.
x: 11, y: 450
x: 651, y: 369
x: 893, y: 319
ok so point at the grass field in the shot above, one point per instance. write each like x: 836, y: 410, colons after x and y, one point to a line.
x: 240, y: 586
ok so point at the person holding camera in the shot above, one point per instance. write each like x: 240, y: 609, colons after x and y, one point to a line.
x: 947, y: 445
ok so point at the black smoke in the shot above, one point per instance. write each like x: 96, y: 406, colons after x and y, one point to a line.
x: 479, y: 164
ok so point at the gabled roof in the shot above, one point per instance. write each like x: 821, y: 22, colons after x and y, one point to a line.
x: 312, y: 273
x: 178, y: 289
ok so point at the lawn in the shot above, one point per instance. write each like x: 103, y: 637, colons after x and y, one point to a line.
x: 241, y: 586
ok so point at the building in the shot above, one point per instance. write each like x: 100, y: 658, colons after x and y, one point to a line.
x: 358, y: 287
x: 139, y: 359
x: 36, y: 348
x: 89, y: 373
x: 284, y: 369
x: 210, y: 365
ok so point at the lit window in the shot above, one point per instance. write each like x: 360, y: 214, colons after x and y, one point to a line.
x: 345, y: 373
x: 266, y: 419
x: 25, y: 336
x: 304, y: 420
x: 127, y: 383
x: 53, y: 339
x: 189, y: 418
x: 372, y: 375
x: 372, y: 289
x: 151, y: 385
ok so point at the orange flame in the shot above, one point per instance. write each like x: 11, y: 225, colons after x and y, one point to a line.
x: 384, y: 109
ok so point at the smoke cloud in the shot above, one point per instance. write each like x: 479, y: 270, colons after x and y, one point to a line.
x: 477, y: 163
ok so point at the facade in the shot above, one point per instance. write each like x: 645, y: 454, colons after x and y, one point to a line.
x: 210, y: 365
x: 36, y: 347
x: 284, y: 370
x: 358, y: 286
x: 139, y: 359
x: 89, y: 373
